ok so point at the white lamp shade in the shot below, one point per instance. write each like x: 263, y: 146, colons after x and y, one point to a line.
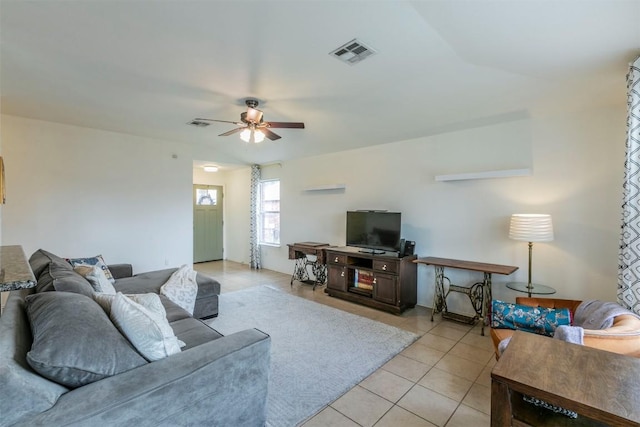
x: 245, y: 135
x: 258, y: 136
x: 531, y: 227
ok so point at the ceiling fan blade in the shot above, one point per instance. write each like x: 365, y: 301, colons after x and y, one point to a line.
x: 291, y: 125
x: 272, y: 136
x: 221, y: 121
x: 232, y: 131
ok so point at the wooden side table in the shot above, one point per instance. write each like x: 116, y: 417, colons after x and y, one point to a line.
x: 603, y: 388
x: 479, y: 293
x: 535, y: 288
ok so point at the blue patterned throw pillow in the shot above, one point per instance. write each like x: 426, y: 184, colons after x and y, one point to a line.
x: 93, y: 261
x: 541, y: 320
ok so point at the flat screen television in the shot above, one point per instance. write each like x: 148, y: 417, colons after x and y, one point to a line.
x: 374, y: 231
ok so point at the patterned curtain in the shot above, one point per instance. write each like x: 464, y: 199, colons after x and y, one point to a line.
x: 629, y: 260
x: 254, y: 247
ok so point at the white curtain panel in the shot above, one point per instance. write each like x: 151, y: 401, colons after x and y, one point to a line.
x: 629, y: 260
x: 254, y: 247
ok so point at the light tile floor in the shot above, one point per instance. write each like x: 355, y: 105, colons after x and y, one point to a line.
x: 443, y: 379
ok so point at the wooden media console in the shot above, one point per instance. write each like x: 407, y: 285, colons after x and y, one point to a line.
x: 383, y: 281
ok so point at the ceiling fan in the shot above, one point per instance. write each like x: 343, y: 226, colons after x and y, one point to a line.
x: 253, y: 127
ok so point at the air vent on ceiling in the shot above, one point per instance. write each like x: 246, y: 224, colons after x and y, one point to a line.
x: 352, y: 52
x: 198, y: 123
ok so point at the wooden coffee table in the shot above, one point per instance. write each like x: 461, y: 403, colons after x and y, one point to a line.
x: 603, y: 388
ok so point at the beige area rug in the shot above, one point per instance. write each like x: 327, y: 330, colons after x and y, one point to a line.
x: 317, y: 352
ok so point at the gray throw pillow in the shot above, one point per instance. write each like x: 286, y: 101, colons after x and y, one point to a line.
x: 41, y: 260
x: 52, y: 271
x: 44, y: 278
x: 67, y: 280
x: 74, y: 342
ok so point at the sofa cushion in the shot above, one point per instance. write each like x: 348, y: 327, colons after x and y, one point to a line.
x: 540, y: 320
x: 145, y: 327
x: 207, y: 286
x: 173, y: 310
x: 206, y: 307
x: 74, y: 342
x: 144, y: 282
x: 40, y: 259
x: 91, y: 261
x: 193, y: 332
x: 24, y: 392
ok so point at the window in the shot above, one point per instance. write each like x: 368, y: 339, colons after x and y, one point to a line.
x: 269, y: 212
x: 205, y: 196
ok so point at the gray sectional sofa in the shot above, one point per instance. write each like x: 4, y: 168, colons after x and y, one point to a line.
x: 89, y: 374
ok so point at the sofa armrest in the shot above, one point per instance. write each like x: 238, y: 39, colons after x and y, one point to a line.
x: 118, y: 271
x: 220, y: 383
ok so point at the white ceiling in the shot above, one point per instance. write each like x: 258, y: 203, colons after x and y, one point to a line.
x: 148, y: 67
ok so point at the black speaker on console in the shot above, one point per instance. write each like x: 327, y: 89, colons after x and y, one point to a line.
x: 407, y: 247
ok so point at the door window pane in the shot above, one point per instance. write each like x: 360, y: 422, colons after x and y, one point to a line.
x: 206, y: 196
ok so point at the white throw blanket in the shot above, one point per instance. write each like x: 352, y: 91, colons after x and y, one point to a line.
x: 182, y: 288
x: 591, y: 314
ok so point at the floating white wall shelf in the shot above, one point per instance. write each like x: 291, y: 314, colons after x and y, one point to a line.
x: 505, y: 173
x: 326, y: 187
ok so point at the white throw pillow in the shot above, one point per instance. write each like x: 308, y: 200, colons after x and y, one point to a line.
x: 148, y: 331
x: 182, y: 288
x: 150, y: 301
x: 96, y: 277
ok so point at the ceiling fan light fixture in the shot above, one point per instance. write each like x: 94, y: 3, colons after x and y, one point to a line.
x: 253, y: 115
x: 258, y: 136
x: 245, y: 135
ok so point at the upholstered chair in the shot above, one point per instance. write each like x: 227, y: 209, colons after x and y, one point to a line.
x: 622, y: 337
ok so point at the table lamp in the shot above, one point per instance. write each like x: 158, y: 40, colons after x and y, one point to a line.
x: 531, y: 228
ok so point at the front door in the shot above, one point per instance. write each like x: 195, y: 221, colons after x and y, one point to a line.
x: 207, y: 223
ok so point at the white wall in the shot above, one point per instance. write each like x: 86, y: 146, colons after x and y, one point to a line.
x: 80, y: 192
x: 207, y: 178
x: 577, y: 163
x: 237, y: 202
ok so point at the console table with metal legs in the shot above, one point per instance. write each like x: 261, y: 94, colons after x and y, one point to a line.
x: 299, y: 252
x: 479, y: 293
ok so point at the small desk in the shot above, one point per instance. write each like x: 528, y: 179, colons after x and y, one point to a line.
x: 479, y: 293
x: 299, y: 252
x: 600, y: 386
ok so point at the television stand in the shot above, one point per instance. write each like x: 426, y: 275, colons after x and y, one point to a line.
x: 383, y: 281
x: 371, y: 251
